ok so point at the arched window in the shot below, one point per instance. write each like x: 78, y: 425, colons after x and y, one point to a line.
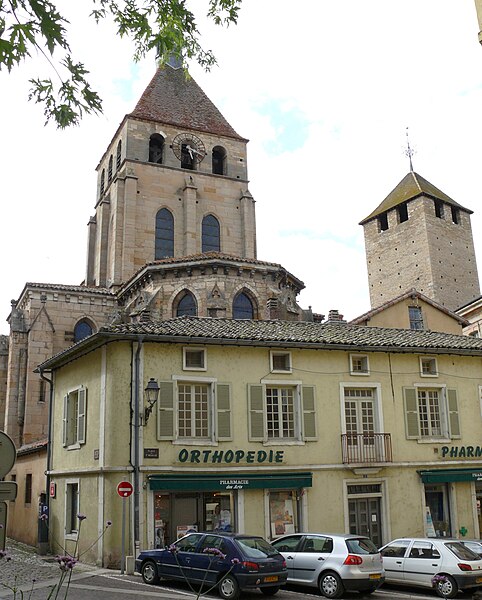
x: 187, y: 306
x: 219, y: 160
x: 156, y: 148
x: 119, y: 154
x: 102, y: 182
x: 243, y: 307
x: 164, y: 234
x: 210, y: 234
x: 109, y: 177
x: 82, y: 330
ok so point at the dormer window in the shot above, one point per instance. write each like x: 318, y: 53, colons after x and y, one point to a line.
x: 415, y: 317
x: 194, y: 359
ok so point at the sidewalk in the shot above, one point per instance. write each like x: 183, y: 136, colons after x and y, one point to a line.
x: 26, y: 566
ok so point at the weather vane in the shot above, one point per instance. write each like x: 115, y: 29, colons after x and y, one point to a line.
x: 409, y: 151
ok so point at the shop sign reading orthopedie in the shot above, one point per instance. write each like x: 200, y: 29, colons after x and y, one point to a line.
x: 231, y: 456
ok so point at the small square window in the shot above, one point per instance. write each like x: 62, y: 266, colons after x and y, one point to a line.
x: 428, y: 366
x: 359, y: 364
x: 194, y: 359
x: 280, y: 362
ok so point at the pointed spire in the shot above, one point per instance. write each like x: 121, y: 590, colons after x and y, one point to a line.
x: 409, y: 151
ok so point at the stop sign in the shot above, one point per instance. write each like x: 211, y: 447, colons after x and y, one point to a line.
x: 124, y: 489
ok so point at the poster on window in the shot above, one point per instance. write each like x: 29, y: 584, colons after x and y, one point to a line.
x: 183, y: 530
x: 282, y: 520
x: 429, y: 528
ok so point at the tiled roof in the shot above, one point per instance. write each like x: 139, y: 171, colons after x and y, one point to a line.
x: 244, y: 332
x: 32, y: 447
x: 213, y: 256
x: 411, y: 186
x: 174, y: 98
x: 298, y: 334
x: 412, y: 293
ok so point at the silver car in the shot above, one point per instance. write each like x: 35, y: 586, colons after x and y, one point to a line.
x: 445, y: 565
x: 332, y: 562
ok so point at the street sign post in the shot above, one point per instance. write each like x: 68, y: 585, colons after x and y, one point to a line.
x: 8, y: 454
x: 8, y: 489
x: 124, y: 489
x: 3, y: 523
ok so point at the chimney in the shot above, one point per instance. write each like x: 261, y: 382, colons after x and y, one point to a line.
x: 335, y: 317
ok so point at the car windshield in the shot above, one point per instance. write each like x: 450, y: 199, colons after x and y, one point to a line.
x: 361, y: 546
x: 256, y: 547
x: 461, y: 551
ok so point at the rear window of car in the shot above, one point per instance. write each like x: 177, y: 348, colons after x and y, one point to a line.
x: 461, y: 551
x: 361, y: 546
x: 256, y: 547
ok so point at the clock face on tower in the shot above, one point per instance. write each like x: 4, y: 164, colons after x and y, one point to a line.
x: 188, y: 148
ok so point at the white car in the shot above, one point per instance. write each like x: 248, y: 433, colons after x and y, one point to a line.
x: 332, y: 563
x: 443, y: 564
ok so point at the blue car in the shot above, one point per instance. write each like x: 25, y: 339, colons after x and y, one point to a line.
x: 231, y: 562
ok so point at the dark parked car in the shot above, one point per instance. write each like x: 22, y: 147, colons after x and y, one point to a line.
x: 232, y: 562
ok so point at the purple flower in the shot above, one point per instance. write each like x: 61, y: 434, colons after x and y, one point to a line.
x: 215, y: 551
x: 172, y: 549
x: 439, y: 580
x: 108, y: 523
x: 66, y: 562
x: 43, y: 517
x: 3, y: 554
x: 235, y: 561
x: 81, y: 517
x: 1, y: 526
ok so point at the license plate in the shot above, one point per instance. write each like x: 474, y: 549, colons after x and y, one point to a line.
x: 271, y: 578
x: 478, y: 580
x: 375, y: 576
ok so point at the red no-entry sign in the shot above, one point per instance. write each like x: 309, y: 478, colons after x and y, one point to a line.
x: 124, y: 489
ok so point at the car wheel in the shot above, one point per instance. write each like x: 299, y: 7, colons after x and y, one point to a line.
x: 331, y: 585
x: 149, y: 572
x: 447, y: 588
x: 228, y: 588
x: 270, y: 591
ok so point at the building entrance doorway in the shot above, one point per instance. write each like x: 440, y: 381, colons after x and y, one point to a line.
x: 177, y: 513
x: 364, y: 511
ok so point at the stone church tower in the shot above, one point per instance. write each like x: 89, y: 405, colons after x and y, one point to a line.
x: 418, y: 237
x: 174, y: 233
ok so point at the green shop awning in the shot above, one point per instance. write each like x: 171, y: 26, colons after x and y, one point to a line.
x: 446, y: 475
x: 206, y: 482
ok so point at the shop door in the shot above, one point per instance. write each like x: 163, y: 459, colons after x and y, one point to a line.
x: 184, y: 514
x: 365, y: 518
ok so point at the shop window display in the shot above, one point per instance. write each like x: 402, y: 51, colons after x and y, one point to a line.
x: 283, y: 512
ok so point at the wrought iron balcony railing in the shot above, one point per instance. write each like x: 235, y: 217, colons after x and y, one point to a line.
x: 366, y: 448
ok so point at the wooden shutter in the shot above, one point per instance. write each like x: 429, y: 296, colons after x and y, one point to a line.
x: 256, y: 413
x: 453, y: 414
x: 223, y: 412
x: 309, y: 412
x: 81, y: 415
x: 412, y: 425
x: 165, y: 411
x: 64, y: 420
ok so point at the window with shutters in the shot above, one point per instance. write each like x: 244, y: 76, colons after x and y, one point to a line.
x: 428, y: 366
x: 74, y: 418
x: 194, y: 409
x: 71, y: 508
x: 281, y: 412
x: 194, y: 359
x: 359, y: 364
x: 431, y: 413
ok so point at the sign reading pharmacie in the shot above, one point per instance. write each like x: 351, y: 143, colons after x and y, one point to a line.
x: 461, y: 452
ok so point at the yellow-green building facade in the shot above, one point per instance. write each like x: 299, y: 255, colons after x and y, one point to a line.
x: 266, y: 427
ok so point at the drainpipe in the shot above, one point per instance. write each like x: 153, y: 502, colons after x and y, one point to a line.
x: 136, y: 465
x: 43, y: 538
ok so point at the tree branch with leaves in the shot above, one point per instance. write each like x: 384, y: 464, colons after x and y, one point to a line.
x: 28, y: 26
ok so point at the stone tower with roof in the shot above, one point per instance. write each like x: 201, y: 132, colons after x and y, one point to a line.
x: 418, y: 237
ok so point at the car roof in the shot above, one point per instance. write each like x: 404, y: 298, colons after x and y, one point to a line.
x: 345, y: 536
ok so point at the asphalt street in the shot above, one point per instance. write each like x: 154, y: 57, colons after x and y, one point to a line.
x: 34, y: 576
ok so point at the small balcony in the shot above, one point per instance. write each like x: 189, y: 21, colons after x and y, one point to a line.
x: 366, y: 448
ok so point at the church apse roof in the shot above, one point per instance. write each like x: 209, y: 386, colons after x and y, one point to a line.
x: 412, y: 186
x: 173, y: 97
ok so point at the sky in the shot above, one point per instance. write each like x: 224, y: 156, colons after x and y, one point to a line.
x: 324, y: 92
